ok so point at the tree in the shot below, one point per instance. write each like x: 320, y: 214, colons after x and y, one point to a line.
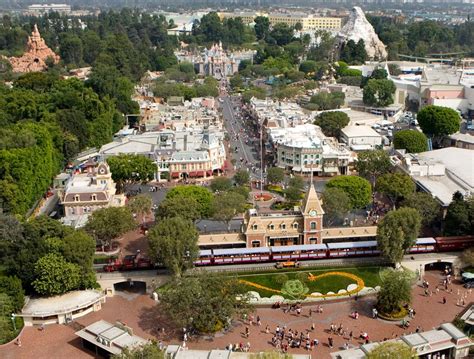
x: 308, y: 66
x: 236, y: 81
x: 357, y: 188
x: 79, y: 248
x: 296, y: 182
x: 227, y: 205
x: 397, y: 232
x: 184, y: 207
x: 371, y: 164
x: 396, y: 186
x: 147, y: 351
x: 332, y: 122
x: 174, y: 242
x: 54, y: 275
x: 262, y: 27
x: 467, y: 257
x: 141, y: 205
x: 275, y: 175
x: 241, y: 177
x: 428, y: 208
x: 438, y: 121
x: 131, y: 168
x: 395, y: 291
x: 282, y: 34
x: 336, y: 204
x: 200, y: 194
x: 328, y: 101
x: 410, y: 140
x: 392, y: 350
x: 221, y: 184
x: 106, y: 224
x: 379, y: 93
x: 204, y: 301
x: 11, y: 286
x: 459, y: 220
x: 292, y: 194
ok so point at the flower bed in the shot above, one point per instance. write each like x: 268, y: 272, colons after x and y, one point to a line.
x: 263, y: 197
x: 395, y: 316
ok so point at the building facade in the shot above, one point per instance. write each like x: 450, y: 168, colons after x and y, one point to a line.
x: 88, y: 189
x: 300, y: 226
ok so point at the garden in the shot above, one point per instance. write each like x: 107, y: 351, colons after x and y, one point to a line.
x: 300, y: 283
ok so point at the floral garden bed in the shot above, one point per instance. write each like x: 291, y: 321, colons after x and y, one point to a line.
x: 263, y: 197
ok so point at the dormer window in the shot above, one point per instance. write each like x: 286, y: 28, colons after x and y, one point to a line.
x: 283, y: 226
x: 295, y: 225
x: 254, y: 227
x: 271, y: 227
x: 94, y: 197
x: 76, y: 198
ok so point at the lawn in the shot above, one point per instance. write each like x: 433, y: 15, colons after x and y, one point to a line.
x: 370, y: 276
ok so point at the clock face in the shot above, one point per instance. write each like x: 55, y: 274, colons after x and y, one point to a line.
x: 312, y: 213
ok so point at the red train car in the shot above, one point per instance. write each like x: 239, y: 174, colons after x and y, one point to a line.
x: 454, y: 244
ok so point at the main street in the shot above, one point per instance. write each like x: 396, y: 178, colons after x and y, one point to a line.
x: 247, y: 155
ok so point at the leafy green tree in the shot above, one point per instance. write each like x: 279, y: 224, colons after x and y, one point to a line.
x: 236, y: 81
x: 396, y: 186
x: 141, y: 205
x: 275, y: 175
x: 174, y: 242
x: 397, y: 232
x: 71, y: 50
x: 211, y: 28
x: 336, y: 204
x: 328, y: 101
x: 227, y: 205
x: 354, y: 53
x: 282, y: 34
x: 308, y: 66
x: 438, y: 121
x: 372, y: 164
x: 296, y: 182
x: 392, y: 350
x: 395, y: 291
x: 262, y: 27
x: 379, y: 93
x: 54, y: 275
x: 12, y: 287
x: 292, y: 193
x: 220, y: 184
x: 148, y: 351
x: 467, y: 257
x: 459, y: 218
x: 79, y: 248
x: 204, y: 301
x: 241, y: 177
x: 357, y: 188
x: 131, y: 169
x: 184, y: 207
x: 332, y: 122
x: 106, y: 224
x: 244, y: 191
x: 200, y: 194
x: 425, y: 204
x: 412, y: 141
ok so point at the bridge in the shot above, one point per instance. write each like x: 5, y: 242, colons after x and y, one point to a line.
x: 149, y: 279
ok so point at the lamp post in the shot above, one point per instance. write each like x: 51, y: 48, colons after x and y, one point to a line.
x: 13, y: 321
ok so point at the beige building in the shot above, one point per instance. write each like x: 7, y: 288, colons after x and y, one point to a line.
x: 308, y: 22
x: 87, y: 190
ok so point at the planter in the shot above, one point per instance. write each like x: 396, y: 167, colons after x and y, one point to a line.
x: 264, y: 197
x: 394, y: 317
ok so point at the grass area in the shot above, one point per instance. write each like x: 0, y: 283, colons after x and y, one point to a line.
x: 272, y: 279
x: 103, y: 258
x: 9, y: 333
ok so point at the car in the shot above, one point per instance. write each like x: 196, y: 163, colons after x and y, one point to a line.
x: 389, y: 133
x: 414, y: 122
x: 469, y: 285
x: 287, y: 264
x: 375, y: 126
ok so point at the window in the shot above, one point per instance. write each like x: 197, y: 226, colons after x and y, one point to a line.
x: 255, y: 243
x: 183, y: 167
x: 94, y: 197
x: 313, y: 225
x: 295, y: 225
x: 76, y: 198
x: 283, y: 226
x: 254, y: 227
x: 271, y: 227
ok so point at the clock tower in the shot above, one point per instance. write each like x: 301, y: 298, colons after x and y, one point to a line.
x: 312, y: 212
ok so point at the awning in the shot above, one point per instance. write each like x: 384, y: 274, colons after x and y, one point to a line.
x: 174, y: 174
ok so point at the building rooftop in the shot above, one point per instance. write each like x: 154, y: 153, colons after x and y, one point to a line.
x: 359, y: 131
x: 68, y: 302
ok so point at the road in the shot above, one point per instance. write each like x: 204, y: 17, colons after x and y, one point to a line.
x: 247, y: 155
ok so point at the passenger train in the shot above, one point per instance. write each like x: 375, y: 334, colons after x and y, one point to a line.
x: 323, y: 251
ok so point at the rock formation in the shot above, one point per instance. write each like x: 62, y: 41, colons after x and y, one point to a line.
x: 357, y: 28
x: 35, y: 56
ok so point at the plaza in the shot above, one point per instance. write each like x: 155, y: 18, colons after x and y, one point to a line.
x: 140, y: 312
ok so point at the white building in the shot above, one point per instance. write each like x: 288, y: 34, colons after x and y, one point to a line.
x: 360, y: 138
x: 446, y: 342
x: 441, y: 172
x: 39, y: 9
x: 304, y: 148
x: 88, y: 189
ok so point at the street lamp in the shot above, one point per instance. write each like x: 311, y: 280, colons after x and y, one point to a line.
x: 13, y: 321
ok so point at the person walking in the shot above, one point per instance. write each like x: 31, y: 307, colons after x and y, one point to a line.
x: 444, y: 300
x: 330, y: 342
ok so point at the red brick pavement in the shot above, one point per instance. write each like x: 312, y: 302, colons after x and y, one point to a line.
x: 141, y: 314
